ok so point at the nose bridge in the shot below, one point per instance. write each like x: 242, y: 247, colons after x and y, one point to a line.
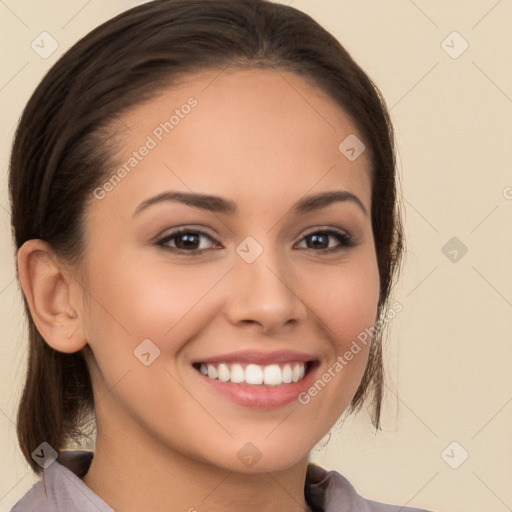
x: 263, y: 288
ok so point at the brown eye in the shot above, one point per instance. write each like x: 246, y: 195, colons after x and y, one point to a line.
x: 187, y: 240
x: 322, y: 240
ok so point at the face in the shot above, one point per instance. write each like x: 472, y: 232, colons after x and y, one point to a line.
x: 218, y: 291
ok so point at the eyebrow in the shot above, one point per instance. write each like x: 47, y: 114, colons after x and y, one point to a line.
x: 218, y: 204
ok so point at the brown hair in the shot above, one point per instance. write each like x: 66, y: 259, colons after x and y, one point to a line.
x: 63, y: 146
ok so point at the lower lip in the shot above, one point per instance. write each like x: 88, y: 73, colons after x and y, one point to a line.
x: 263, y: 397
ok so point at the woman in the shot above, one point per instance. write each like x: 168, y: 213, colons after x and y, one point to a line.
x: 204, y: 209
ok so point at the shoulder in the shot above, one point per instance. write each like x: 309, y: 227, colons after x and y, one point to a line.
x: 60, y: 488
x: 33, y: 499
x: 330, y: 491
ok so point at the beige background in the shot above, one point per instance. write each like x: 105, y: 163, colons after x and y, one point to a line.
x: 449, y: 350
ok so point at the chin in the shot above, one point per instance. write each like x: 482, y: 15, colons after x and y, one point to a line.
x: 266, y: 457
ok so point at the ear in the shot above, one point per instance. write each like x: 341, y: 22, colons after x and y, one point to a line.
x: 52, y: 296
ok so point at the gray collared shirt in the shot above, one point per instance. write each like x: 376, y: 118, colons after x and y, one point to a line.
x: 60, y: 489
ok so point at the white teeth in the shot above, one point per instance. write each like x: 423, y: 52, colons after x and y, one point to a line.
x: 212, y: 372
x: 223, y: 373
x: 272, y: 375
x: 254, y: 374
x: 287, y: 374
x: 297, y: 373
x: 237, y: 374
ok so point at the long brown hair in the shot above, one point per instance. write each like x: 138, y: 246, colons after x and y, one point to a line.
x: 63, y: 146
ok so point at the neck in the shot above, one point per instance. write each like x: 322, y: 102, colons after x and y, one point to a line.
x: 132, y: 476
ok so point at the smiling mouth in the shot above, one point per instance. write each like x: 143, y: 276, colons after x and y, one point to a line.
x: 256, y: 374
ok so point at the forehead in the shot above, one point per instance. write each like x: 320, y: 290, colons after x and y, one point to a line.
x: 264, y: 133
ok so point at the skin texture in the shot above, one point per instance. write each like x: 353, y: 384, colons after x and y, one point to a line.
x: 263, y: 139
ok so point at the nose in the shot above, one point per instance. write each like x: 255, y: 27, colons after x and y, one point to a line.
x: 262, y: 294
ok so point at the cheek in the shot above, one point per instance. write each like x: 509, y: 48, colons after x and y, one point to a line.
x: 345, y: 300
x: 133, y: 300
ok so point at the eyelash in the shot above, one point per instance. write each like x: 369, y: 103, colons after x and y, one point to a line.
x: 345, y: 241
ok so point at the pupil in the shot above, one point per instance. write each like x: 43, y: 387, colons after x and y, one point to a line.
x: 318, y: 240
x: 190, y: 241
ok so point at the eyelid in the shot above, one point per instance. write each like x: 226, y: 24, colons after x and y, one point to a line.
x: 347, y: 242
x: 200, y: 230
x: 324, y: 229
x: 186, y: 229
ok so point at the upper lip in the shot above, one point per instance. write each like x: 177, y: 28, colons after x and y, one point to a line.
x: 258, y: 357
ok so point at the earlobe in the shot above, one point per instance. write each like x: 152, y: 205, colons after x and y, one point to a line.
x: 47, y: 288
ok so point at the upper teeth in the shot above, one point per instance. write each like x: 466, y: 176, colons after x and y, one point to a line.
x: 271, y: 375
